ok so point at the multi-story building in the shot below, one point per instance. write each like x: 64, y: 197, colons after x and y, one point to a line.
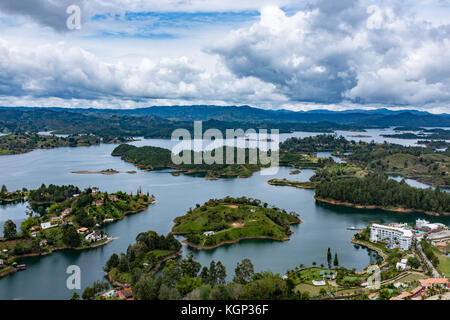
x: 395, y: 235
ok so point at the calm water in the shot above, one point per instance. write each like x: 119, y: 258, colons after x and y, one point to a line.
x: 324, y: 226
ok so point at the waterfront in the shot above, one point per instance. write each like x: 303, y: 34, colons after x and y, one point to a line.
x: 323, y: 225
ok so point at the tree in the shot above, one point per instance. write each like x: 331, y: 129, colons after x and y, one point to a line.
x: 189, y: 266
x: 70, y: 236
x: 221, y: 273
x: 9, y: 229
x: 336, y: 261
x: 329, y: 258
x: 244, y: 271
x: 112, y: 262
x: 147, y: 288
x: 204, y: 274
x: 75, y: 296
x: 187, y: 284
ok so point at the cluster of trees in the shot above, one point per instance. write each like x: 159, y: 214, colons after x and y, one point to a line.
x: 186, y: 278
x: 380, y: 191
x: 429, y: 252
x: 146, y: 253
x: 17, y: 195
x: 156, y: 158
x: 323, y: 142
x: 25, y: 142
x: 53, y: 193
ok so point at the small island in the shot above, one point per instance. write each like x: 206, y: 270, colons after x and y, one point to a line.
x: 106, y: 172
x: 295, y: 171
x: 230, y: 220
x: 296, y: 184
x: 153, y: 158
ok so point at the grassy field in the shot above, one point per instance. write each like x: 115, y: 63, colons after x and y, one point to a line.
x: 444, y: 263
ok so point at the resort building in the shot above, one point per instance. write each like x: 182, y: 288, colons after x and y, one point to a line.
x: 397, y: 236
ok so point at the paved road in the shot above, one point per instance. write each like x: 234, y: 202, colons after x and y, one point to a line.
x: 433, y: 269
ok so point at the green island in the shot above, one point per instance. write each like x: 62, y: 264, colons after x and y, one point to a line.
x: 230, y: 220
x: 296, y: 184
x: 153, y: 158
x: 26, y: 142
x: 65, y: 217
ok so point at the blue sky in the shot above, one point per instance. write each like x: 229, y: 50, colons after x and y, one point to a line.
x: 297, y: 55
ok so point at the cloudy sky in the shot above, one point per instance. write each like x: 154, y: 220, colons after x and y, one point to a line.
x: 297, y: 55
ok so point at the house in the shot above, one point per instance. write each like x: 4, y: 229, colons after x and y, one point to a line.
x: 82, y: 230
x: 400, y: 266
x: 1, y: 263
x: 34, y: 234
x: 125, y: 294
x: 56, y: 219
x: 66, y: 212
x: 402, y: 296
x: 112, y: 198
x: 95, y: 236
x: 208, y: 233
x: 417, y: 292
x: 35, y: 228
x: 327, y: 274
x: 98, y: 203
x: 43, y: 243
x: 433, y: 281
x: 46, y: 225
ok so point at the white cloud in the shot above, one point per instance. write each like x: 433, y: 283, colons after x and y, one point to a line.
x: 68, y: 72
x: 376, y: 54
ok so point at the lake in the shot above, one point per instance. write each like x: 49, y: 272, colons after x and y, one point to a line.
x: 323, y: 225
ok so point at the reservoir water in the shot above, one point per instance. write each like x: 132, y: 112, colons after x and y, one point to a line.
x: 45, y: 278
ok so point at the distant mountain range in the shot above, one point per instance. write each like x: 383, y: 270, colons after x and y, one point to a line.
x: 368, y: 118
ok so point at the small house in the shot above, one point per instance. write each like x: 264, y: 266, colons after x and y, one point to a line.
x: 55, y: 219
x: 46, y: 225
x: 82, y: 230
x: 66, y: 212
x: 95, y: 236
x: 43, y: 243
x: 208, y: 233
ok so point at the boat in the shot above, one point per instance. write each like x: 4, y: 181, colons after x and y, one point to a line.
x: 21, y: 267
x: 353, y: 228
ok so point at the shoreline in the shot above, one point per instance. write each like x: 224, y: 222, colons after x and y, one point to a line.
x: 373, y: 207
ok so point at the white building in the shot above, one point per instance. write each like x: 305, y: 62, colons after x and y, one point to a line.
x: 424, y: 224
x: 397, y: 236
x: 208, y: 233
x: 46, y: 225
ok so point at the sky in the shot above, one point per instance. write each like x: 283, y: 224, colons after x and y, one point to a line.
x: 278, y: 54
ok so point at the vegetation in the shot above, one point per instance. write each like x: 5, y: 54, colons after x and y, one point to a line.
x: 228, y: 220
x: 151, y: 158
x: 62, y: 216
x: 297, y: 184
x: 384, y: 193
x: 145, y: 256
x: 26, y: 142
